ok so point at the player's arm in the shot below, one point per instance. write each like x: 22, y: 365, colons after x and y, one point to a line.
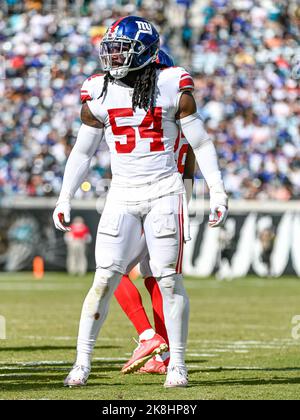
x: 77, y: 166
x: 206, y: 155
x: 189, y: 172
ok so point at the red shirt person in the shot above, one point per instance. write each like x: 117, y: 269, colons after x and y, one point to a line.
x: 77, y: 240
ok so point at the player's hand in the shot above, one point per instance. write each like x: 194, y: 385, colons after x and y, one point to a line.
x: 218, y: 206
x: 62, y: 216
x: 218, y: 216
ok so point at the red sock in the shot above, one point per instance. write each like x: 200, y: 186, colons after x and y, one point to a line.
x: 157, y: 305
x: 130, y: 301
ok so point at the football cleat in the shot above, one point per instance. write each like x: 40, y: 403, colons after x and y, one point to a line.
x: 145, y: 351
x: 154, y: 366
x: 78, y: 376
x: 176, y: 377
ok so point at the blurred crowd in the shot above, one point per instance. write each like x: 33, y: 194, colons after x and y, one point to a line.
x: 240, y: 53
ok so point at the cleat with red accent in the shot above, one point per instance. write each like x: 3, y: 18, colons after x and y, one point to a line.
x: 176, y: 377
x: 77, y: 377
x: 145, y: 351
x: 154, y: 366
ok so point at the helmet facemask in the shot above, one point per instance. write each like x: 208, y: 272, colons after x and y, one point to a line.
x: 118, y: 56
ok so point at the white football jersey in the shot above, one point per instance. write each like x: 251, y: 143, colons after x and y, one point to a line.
x: 144, y: 146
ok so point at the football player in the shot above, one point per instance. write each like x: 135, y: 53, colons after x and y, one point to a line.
x: 127, y: 293
x: 140, y: 110
x: 130, y: 299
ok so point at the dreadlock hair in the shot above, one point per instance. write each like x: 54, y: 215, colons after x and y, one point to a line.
x: 107, y: 78
x: 143, y: 90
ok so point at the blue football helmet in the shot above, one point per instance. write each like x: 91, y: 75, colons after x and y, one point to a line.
x: 164, y: 59
x: 130, y: 44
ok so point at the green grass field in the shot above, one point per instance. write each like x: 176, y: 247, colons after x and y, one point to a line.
x: 240, y: 343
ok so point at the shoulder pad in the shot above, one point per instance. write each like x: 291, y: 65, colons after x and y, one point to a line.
x: 186, y: 81
x: 91, y: 88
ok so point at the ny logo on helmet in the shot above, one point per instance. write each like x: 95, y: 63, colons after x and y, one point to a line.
x: 144, y: 27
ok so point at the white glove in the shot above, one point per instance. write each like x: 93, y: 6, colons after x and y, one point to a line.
x: 218, y: 206
x: 62, y: 215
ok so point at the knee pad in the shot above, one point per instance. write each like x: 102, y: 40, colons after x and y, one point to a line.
x: 104, y: 280
x: 171, y: 284
x: 160, y: 270
x: 105, y: 283
x: 168, y: 283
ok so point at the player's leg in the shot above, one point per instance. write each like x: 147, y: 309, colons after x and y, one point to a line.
x: 159, y: 363
x: 130, y: 300
x: 129, y: 297
x: 93, y: 315
x: 163, y: 228
x: 115, y: 234
x: 156, y: 298
x: 157, y: 306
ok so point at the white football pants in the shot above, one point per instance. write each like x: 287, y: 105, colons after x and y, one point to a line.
x: 120, y: 230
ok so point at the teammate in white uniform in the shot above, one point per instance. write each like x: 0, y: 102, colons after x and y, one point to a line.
x: 139, y: 109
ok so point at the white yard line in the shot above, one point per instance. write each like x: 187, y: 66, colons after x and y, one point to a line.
x: 276, y: 343
x: 200, y: 355
x: 275, y: 340
x: 111, y: 359
x: 38, y: 286
x: 43, y: 363
x: 48, y: 338
x: 18, y: 375
x: 69, y: 338
x: 53, y: 362
x: 190, y: 366
x: 220, y: 368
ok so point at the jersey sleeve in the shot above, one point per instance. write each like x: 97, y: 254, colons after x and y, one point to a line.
x: 91, y: 88
x: 185, y: 81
